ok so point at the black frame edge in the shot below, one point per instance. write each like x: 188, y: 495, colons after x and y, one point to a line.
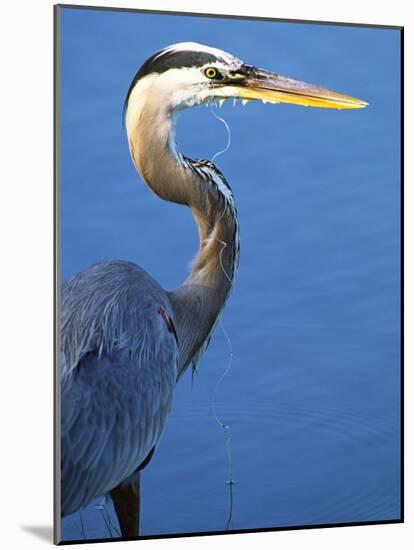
x: 228, y: 16
x: 402, y: 325
x: 56, y: 277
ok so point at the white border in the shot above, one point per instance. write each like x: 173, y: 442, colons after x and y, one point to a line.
x: 26, y: 269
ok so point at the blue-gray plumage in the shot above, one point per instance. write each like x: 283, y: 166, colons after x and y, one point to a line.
x: 119, y: 367
x: 124, y: 340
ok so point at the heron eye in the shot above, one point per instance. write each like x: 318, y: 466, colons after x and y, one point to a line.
x: 212, y: 72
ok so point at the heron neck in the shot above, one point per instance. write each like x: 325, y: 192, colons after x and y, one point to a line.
x: 198, y: 302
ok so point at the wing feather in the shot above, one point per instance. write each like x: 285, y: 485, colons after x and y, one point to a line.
x: 119, y: 367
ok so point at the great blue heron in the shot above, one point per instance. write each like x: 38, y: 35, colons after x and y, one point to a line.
x: 125, y: 340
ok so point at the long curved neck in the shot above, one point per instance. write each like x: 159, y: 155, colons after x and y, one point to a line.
x: 198, y: 302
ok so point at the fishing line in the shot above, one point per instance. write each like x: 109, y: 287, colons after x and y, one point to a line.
x: 101, y: 507
x: 228, y: 136
x: 221, y: 261
x: 225, y: 427
x: 111, y: 524
x: 82, y: 525
x: 106, y: 522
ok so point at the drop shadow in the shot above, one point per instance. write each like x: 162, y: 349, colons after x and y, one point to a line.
x: 43, y: 532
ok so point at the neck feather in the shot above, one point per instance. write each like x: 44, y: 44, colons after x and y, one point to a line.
x: 199, y: 301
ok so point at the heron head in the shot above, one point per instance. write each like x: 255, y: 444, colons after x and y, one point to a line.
x: 188, y: 74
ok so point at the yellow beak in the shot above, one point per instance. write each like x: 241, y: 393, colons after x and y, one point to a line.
x: 269, y: 87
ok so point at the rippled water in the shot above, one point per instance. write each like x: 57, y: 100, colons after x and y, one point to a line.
x: 312, y: 396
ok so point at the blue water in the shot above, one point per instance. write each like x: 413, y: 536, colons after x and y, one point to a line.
x: 312, y: 396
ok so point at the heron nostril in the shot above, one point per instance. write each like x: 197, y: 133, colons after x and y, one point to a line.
x: 234, y: 74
